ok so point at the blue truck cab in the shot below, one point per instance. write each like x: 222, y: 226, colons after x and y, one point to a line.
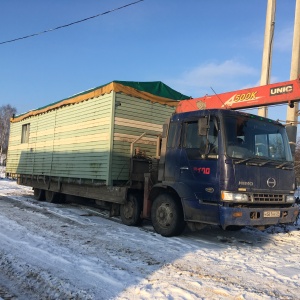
x: 225, y: 168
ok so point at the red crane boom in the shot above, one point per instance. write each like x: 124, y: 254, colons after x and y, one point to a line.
x: 271, y: 94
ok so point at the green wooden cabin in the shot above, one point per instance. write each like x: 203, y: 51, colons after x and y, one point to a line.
x: 88, y: 136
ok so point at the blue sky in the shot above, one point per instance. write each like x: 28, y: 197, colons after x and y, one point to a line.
x: 191, y: 45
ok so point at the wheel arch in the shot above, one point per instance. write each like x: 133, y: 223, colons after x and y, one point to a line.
x: 137, y: 192
x: 160, y: 189
x: 167, y: 214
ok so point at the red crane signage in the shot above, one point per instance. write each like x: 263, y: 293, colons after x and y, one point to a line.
x: 271, y: 94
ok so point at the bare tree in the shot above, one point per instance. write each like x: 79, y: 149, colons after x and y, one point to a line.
x: 6, y: 112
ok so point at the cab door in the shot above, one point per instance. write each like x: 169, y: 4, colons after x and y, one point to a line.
x: 199, y: 168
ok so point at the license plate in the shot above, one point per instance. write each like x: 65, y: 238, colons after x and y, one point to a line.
x: 272, y: 214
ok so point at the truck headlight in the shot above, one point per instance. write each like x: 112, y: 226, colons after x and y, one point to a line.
x: 290, y: 199
x: 234, y: 197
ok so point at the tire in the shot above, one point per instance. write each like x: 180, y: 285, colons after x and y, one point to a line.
x: 130, y: 211
x: 167, y: 216
x: 53, y: 197
x: 39, y: 194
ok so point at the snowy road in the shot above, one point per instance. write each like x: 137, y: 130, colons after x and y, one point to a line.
x: 54, y: 251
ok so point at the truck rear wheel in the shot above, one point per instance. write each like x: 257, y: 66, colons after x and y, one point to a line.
x: 39, y: 194
x: 131, y: 210
x: 53, y: 197
x: 167, y: 216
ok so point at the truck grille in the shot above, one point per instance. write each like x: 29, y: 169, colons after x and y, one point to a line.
x: 267, y: 198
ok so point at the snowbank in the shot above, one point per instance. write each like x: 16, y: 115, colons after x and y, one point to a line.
x: 54, y: 251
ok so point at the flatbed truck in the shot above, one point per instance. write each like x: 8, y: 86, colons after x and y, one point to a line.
x: 210, y: 164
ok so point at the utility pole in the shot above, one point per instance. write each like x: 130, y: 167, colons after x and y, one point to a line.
x: 267, y: 52
x: 292, y: 112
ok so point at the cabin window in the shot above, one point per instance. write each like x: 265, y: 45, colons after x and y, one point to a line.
x: 25, y: 133
x: 198, y: 146
x: 192, y: 140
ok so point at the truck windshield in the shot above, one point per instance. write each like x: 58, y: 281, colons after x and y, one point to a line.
x: 247, y: 138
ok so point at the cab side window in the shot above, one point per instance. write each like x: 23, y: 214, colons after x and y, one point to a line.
x: 198, y: 146
x: 191, y: 139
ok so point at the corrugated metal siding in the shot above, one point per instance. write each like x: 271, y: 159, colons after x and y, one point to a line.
x: 72, y: 141
x: 132, y: 118
x: 76, y: 141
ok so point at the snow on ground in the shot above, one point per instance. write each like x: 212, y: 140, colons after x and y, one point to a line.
x: 71, y: 251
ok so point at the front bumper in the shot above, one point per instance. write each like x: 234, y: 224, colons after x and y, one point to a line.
x: 245, y: 216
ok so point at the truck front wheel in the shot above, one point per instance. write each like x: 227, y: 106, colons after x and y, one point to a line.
x: 131, y: 210
x: 167, y: 216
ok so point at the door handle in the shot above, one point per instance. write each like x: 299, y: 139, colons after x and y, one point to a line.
x: 184, y: 168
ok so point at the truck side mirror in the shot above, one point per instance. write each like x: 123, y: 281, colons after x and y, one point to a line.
x: 203, y: 126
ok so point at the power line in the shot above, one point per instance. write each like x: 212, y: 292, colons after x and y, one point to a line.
x: 70, y: 24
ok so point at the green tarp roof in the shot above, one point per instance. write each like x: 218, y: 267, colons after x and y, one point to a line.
x: 155, y: 91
